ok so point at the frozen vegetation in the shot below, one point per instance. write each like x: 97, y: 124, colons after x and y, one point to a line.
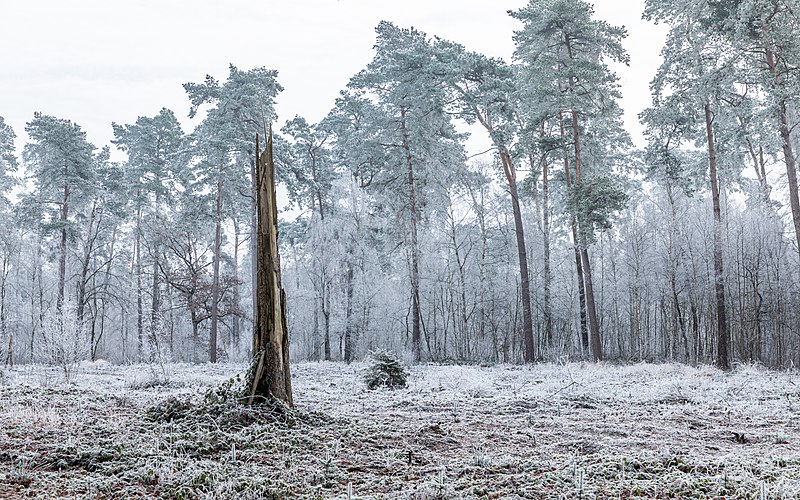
x: 540, y: 431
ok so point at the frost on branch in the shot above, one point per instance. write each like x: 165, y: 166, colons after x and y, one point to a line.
x: 63, y: 341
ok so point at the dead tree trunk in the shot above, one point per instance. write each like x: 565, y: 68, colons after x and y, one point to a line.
x: 269, y: 374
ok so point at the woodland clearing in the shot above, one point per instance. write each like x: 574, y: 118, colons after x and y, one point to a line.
x: 574, y: 430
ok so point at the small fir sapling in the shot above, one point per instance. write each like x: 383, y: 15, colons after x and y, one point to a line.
x: 385, y: 370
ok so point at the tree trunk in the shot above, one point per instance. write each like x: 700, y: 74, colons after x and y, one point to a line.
x: 254, y: 237
x: 326, y: 316
x: 788, y: 153
x: 106, y: 285
x: 791, y: 170
x: 723, y: 334
x: 91, y: 235
x: 412, y: 204
x: 236, y: 293
x: 548, y: 275
x: 10, y: 355
x: 3, y: 320
x: 511, y: 177
x: 155, y: 293
x: 155, y: 304
x: 527, y: 320
x: 62, y: 257
x: 584, y: 328
x: 349, y: 325
x: 269, y: 375
x: 212, y: 342
x: 348, y: 319
x: 594, y: 326
x: 3, y: 282
x: 37, y: 292
x: 591, y: 311
x: 139, y: 291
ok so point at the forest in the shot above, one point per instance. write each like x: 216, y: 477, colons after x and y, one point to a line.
x: 564, y: 242
x: 361, y: 306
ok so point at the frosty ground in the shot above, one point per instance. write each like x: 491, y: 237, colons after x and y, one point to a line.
x: 542, y: 431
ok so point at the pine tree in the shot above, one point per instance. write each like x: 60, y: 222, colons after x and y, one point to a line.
x: 223, y: 145
x: 154, y: 148
x: 562, y: 44
x: 63, y: 165
x: 309, y: 184
x: 695, y: 99
x: 418, y: 137
x: 485, y: 92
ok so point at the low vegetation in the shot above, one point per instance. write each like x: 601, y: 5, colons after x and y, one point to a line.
x: 568, y: 431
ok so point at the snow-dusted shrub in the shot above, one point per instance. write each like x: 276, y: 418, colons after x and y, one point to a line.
x: 63, y: 341
x: 385, y: 371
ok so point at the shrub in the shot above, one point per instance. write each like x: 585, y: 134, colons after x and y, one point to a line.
x: 385, y: 371
x: 63, y: 341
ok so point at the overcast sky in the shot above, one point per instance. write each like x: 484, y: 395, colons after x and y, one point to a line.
x: 98, y: 61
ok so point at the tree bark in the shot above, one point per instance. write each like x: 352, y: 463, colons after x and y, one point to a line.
x: 723, y: 334
x: 106, y: 285
x: 269, y: 375
x: 788, y: 153
x: 527, y: 319
x: 91, y: 235
x: 139, y: 291
x: 155, y: 293
x: 591, y: 310
x: 412, y: 204
x: 548, y: 275
x: 791, y: 170
x: 348, y: 319
x: 511, y: 177
x: 584, y: 328
x: 62, y: 248
x: 236, y: 293
x: 212, y: 342
x: 254, y: 236
x: 326, y: 317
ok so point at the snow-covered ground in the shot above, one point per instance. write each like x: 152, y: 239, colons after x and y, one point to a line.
x: 541, y: 431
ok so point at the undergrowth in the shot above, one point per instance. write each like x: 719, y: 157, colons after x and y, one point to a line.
x: 456, y: 432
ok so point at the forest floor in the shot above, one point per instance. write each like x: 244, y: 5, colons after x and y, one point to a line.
x: 542, y: 431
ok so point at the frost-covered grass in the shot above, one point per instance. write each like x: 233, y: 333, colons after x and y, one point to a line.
x: 543, y: 431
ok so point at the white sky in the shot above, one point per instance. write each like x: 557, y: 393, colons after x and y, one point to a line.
x: 98, y: 61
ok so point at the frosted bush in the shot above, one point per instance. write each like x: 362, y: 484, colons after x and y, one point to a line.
x: 63, y: 341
